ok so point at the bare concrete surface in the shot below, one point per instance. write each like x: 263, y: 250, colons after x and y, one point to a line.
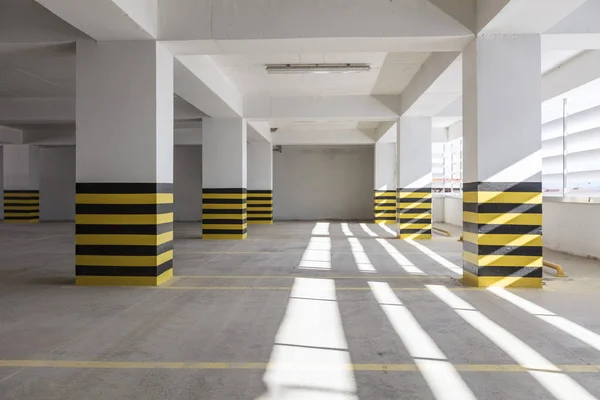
x: 213, y: 331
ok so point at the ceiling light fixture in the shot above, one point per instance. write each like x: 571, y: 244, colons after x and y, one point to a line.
x: 316, y: 68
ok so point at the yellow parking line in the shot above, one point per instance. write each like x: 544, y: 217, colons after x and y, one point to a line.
x: 311, y: 277
x: 339, y: 289
x: 301, y: 252
x: 583, y: 368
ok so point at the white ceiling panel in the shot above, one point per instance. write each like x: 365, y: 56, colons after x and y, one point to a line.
x: 390, y: 73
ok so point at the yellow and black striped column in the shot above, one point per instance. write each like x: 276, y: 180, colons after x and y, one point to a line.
x: 414, y: 213
x: 124, y: 233
x: 21, y: 206
x: 224, y: 214
x: 502, y: 239
x: 384, y: 203
x: 260, y: 207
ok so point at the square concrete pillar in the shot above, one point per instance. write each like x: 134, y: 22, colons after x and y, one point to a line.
x: 260, y: 183
x: 414, y: 178
x: 124, y: 205
x: 224, y: 179
x: 21, y: 171
x: 502, y: 203
x: 384, y: 198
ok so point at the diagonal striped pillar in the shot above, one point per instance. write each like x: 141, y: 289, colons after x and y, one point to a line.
x: 21, y: 206
x: 124, y: 233
x: 384, y: 207
x: 502, y: 225
x: 414, y: 213
x: 260, y: 207
x: 224, y: 213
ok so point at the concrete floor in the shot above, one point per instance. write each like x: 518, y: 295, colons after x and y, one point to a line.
x: 234, y: 307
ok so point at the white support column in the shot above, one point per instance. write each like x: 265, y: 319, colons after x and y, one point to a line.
x: 124, y: 163
x: 414, y: 177
x: 224, y: 178
x: 260, y: 183
x: 21, y: 170
x: 384, y: 199
x: 502, y: 201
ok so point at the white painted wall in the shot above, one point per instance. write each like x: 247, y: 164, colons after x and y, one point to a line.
x: 385, y: 166
x: 437, y: 209
x: 568, y: 227
x: 439, y: 134
x: 453, y: 211
x: 572, y: 228
x: 57, y: 183
x: 260, y: 166
x: 187, y: 185
x: 21, y: 167
x: 455, y: 131
x: 317, y: 182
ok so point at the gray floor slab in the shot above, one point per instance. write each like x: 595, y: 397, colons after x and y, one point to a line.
x: 227, y: 304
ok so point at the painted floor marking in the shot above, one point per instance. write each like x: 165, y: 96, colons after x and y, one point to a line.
x: 572, y: 368
x: 312, y: 277
x: 338, y: 289
x: 296, y: 252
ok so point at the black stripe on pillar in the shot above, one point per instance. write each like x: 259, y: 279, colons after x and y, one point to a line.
x: 502, y: 228
x: 124, y: 233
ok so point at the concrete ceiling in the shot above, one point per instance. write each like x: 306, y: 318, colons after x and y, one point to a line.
x: 227, y: 43
x: 37, y: 70
x: 389, y: 74
x: 315, y: 126
x: 552, y: 59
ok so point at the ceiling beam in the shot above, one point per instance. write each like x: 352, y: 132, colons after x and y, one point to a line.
x: 10, y: 135
x: 522, y: 16
x: 436, y: 85
x: 574, y: 73
x: 37, y: 110
x: 324, y: 137
x: 201, y: 83
x: 259, y: 131
x: 463, y: 11
x: 242, y: 26
x: 322, y: 108
x: 28, y: 23
x: 54, y: 110
x: 106, y: 20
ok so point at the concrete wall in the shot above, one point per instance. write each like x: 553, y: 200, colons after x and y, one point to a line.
x: 318, y: 182
x: 572, y: 228
x: 437, y: 209
x: 569, y: 227
x: 187, y: 185
x: 453, y: 211
x: 57, y: 183
x: 385, y: 166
